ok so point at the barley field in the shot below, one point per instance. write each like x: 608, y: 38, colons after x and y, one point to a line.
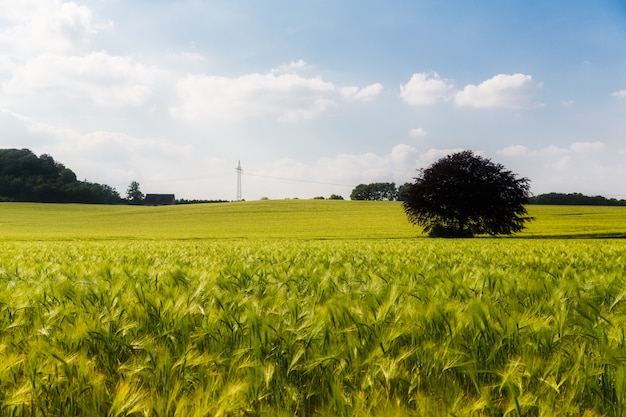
x: 307, y: 308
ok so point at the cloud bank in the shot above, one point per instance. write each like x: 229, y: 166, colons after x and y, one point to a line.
x: 514, y: 91
x: 98, y: 77
x: 287, y: 97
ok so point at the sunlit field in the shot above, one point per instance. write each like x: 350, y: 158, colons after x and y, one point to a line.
x: 308, y: 308
x: 284, y: 219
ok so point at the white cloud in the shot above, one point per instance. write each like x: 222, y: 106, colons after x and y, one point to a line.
x: 562, y: 164
x: 584, y: 147
x: 110, y: 157
x: 353, y: 168
x: 291, y: 67
x: 418, y: 132
x: 340, y: 173
x: 33, y: 126
x: 33, y: 27
x: 399, y: 165
x: 189, y: 57
x: 425, y: 88
x: 620, y: 94
x: 74, y: 140
x: 553, y: 150
x: 101, y: 78
x: 403, y: 154
x: 288, y: 97
x: 516, y: 150
x: 585, y: 167
x: 433, y: 154
x: 361, y: 94
x: 510, y: 91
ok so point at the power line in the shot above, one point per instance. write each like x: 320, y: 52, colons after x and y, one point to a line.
x: 297, y: 180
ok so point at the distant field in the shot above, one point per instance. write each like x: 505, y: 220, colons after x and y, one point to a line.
x: 280, y: 219
x: 308, y: 308
x: 283, y: 219
x: 576, y: 221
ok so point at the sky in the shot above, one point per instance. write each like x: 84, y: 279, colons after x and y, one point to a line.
x: 315, y: 97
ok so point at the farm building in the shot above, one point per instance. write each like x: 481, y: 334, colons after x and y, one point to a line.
x: 159, y: 199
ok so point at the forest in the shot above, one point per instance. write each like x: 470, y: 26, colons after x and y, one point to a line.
x: 25, y: 176
x: 574, y: 199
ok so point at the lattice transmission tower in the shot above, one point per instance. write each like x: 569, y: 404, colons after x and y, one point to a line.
x: 239, y: 171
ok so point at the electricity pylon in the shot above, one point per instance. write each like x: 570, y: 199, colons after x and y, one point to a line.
x: 239, y: 171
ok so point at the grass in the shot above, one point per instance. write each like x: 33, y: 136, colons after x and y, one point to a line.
x: 310, y: 327
x: 309, y: 308
x: 282, y: 219
x: 285, y: 219
x: 576, y: 221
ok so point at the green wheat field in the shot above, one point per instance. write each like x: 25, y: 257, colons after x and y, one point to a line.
x: 307, y: 308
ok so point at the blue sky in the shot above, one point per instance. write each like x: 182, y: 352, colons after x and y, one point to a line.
x: 315, y: 97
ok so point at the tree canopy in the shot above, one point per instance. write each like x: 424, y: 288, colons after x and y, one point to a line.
x: 464, y: 194
x: 134, y: 194
x: 26, y: 177
x: 377, y: 191
x: 574, y: 199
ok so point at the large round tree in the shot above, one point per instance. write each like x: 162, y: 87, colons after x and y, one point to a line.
x: 463, y: 194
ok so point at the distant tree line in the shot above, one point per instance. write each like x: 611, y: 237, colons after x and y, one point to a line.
x: 380, y: 191
x: 387, y: 191
x: 135, y: 196
x: 196, y: 201
x: 26, y: 177
x: 331, y: 197
x: 574, y: 199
